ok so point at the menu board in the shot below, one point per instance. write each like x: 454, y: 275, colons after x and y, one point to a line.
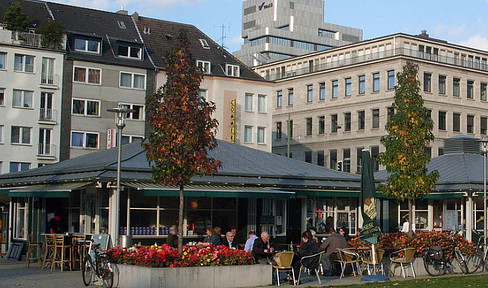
x: 451, y: 220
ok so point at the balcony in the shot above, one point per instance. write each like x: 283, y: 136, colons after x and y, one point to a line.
x: 27, y: 39
x: 49, y: 80
x: 47, y: 115
x: 46, y: 151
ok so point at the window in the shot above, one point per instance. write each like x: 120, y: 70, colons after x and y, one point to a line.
x: 442, y: 120
x: 22, y: 99
x: 442, y: 84
x: 389, y: 113
x: 321, y: 125
x: 309, y: 93
x: 348, y: 88
x: 347, y: 121
x: 23, y: 63
x: 308, y: 126
x: 359, y: 159
x: 483, y: 91
x: 232, y: 70
x: 361, y: 120
x: 279, y: 130
x: 335, y: 89
x: 247, y: 134
x: 126, y: 139
x: 129, y: 52
x: 87, y: 75
x: 46, y: 111
x: 333, y: 123
x: 290, y: 97
x: 248, y: 101
x: 20, y: 135
x: 261, y: 135
x: 47, y: 71
x: 83, y: 45
x: 333, y: 159
x: 1, y: 133
x: 376, y: 118
x: 19, y: 166
x: 204, y: 43
x: 346, y: 160
x: 470, y: 124
x: 202, y: 94
x: 427, y: 82
x: 362, y: 84
x: 308, y: 156
x: 483, y: 125
x: 262, y: 103
x: 44, y: 142
x: 321, y: 91
x: 205, y: 66
x: 320, y: 158
x: 456, y: 122
x: 84, y: 140
x: 85, y: 107
x: 290, y: 129
x: 3, y: 61
x: 376, y: 82
x: 279, y: 98
x: 138, y: 113
x: 391, y: 79
x: 2, y: 97
x: 375, y: 152
x: 132, y: 80
x: 470, y: 89
x: 455, y: 87
x: 440, y: 151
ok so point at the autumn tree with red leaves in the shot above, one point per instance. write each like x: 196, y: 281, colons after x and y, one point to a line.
x: 183, y: 130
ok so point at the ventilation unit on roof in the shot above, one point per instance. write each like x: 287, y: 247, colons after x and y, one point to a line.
x: 146, y: 30
x: 204, y: 43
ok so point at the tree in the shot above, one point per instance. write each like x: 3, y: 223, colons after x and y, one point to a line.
x: 409, y: 132
x: 183, y: 130
x: 15, y: 18
x: 52, y: 34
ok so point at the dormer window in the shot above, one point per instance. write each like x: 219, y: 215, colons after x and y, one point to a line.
x: 205, y: 66
x: 204, y: 43
x: 121, y: 24
x: 85, y: 45
x: 147, y: 30
x: 232, y: 70
x: 129, y: 51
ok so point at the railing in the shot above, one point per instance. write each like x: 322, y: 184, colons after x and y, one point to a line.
x: 29, y: 39
x: 49, y: 79
x: 477, y: 65
x: 46, y: 150
x: 48, y: 115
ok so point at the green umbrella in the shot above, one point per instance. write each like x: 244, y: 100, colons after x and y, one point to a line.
x: 370, y: 231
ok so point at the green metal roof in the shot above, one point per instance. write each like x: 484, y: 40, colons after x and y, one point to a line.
x: 47, y: 190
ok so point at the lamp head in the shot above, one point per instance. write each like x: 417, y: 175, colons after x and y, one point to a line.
x: 121, y: 113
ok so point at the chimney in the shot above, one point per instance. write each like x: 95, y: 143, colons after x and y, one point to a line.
x: 423, y: 34
x: 122, y: 11
x: 135, y: 16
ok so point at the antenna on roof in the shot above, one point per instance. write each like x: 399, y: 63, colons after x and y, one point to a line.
x: 223, y: 36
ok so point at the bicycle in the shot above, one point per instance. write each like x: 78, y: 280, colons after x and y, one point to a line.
x: 478, y: 259
x: 97, y: 264
x: 436, y: 263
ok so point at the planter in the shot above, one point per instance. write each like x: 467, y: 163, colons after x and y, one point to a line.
x: 202, y: 277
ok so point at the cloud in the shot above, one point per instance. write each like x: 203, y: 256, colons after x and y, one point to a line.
x: 477, y: 41
x: 238, y: 39
x: 95, y: 4
x: 450, y: 30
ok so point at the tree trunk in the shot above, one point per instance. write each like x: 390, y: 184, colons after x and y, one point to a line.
x: 180, y: 220
x: 410, y: 217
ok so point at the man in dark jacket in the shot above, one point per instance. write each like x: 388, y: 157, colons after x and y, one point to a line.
x: 331, y: 244
x: 172, y: 239
x: 262, y: 248
x: 229, y: 240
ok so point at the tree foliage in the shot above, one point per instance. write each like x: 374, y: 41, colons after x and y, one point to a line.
x: 52, y: 34
x: 409, y: 132
x: 15, y: 18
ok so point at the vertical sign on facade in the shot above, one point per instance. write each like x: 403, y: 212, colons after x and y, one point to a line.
x: 111, y: 138
x: 233, y: 120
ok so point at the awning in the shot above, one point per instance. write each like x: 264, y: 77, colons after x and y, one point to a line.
x: 47, y: 190
x: 328, y: 193
x: 444, y: 195
x: 217, y: 191
x: 4, y: 191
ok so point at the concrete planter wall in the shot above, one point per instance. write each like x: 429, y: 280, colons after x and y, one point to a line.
x: 212, y: 277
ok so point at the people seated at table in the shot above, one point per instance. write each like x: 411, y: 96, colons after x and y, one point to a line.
x: 229, y: 240
x: 262, y: 248
x: 250, y: 241
x: 308, y: 248
x: 218, y: 231
x: 172, y: 239
x: 211, y: 238
x: 314, y: 236
x: 330, y: 246
x: 237, y: 239
x: 345, y: 233
x: 55, y: 224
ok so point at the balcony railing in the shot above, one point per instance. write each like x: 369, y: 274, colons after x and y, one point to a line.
x: 479, y: 64
x: 49, y: 79
x: 29, y: 39
x: 47, y: 115
x: 46, y: 150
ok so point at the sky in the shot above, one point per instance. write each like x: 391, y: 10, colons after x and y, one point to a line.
x: 459, y: 22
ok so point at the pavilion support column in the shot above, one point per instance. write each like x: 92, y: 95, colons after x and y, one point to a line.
x: 469, y: 217
x: 304, y: 214
x: 430, y: 215
x: 112, y: 217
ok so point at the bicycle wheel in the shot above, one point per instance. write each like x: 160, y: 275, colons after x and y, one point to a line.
x: 106, y: 272
x: 87, y: 271
x: 434, y: 267
x: 462, y: 262
x: 475, y: 261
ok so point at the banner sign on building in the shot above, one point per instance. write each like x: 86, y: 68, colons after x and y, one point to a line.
x: 233, y: 116
x: 111, y: 143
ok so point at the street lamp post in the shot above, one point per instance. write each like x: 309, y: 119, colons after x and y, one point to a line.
x: 484, y: 151
x: 121, y: 115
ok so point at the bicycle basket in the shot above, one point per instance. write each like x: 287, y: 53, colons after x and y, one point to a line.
x: 435, y: 253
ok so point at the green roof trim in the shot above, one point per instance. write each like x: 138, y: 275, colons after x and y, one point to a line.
x: 47, y: 190
x: 4, y: 191
x: 444, y: 195
x: 328, y: 193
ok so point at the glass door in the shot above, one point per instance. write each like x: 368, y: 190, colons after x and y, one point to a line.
x: 47, y: 76
x: 46, y: 112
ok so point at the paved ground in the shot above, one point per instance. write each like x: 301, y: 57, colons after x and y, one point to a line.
x: 15, y: 274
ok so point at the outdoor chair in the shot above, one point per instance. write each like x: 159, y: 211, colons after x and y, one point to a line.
x: 62, y: 253
x: 80, y: 246
x: 283, y: 262
x: 351, y: 258
x: 316, y: 267
x: 367, y: 258
x: 48, y: 251
x: 405, y: 260
x: 30, y: 249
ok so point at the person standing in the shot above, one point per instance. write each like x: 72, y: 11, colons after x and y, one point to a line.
x: 172, y: 240
x: 406, y: 225
x: 250, y: 241
x: 55, y: 224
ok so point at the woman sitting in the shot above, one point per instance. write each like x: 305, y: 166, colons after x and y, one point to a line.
x: 307, y: 248
x: 211, y: 238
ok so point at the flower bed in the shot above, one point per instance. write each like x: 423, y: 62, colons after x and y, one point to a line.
x: 165, y: 256
x: 418, y: 240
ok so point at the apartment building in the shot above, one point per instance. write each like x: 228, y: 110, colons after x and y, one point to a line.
x: 329, y: 105
x: 277, y: 29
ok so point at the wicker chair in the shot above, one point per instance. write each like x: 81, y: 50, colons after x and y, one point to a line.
x: 405, y: 260
x: 283, y: 262
x: 351, y: 258
x: 30, y: 249
x: 367, y: 258
x: 62, y: 253
x: 48, y: 251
